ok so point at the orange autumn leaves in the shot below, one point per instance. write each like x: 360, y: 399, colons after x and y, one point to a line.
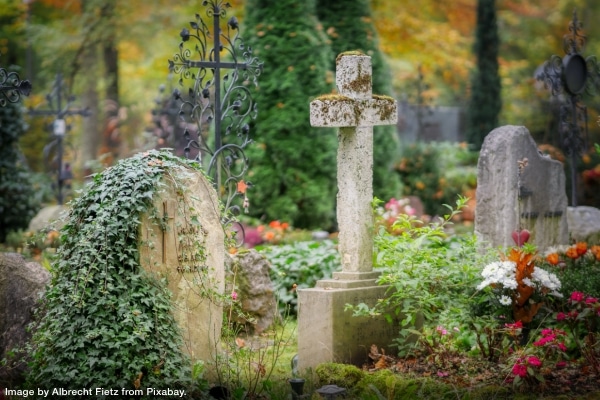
x: 522, y: 309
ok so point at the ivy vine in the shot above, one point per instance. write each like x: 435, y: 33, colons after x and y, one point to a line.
x: 104, y: 320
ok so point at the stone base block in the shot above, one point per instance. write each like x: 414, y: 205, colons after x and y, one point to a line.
x: 327, y: 333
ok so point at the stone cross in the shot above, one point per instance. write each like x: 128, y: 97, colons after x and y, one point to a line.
x: 355, y: 110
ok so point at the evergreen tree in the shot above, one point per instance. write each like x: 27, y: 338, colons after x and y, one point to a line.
x: 18, y: 203
x: 292, y: 165
x: 349, y: 26
x: 485, y: 86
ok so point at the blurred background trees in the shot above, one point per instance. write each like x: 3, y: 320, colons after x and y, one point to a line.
x: 114, y: 55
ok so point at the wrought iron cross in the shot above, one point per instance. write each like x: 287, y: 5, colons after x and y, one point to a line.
x: 232, y: 106
x: 60, y: 127
x: 571, y: 77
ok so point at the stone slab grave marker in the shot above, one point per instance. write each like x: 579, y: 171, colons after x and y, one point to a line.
x: 189, y: 210
x: 542, y: 208
x: 325, y: 331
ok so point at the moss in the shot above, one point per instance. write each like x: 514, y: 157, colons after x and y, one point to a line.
x: 342, y: 375
x: 349, y: 53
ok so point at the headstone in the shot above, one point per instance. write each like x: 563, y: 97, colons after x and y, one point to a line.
x: 189, y: 211
x: 507, y: 200
x: 325, y: 331
x: 21, y: 285
x: 584, y: 224
x: 48, y: 217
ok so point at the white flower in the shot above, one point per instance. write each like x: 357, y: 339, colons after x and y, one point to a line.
x: 528, y: 282
x: 546, y: 279
x: 505, y: 300
x: 500, y: 273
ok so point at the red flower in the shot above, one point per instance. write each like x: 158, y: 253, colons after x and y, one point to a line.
x: 519, y: 369
x: 576, y: 297
x: 533, y: 360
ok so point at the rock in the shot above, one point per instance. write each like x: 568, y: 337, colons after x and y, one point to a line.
x: 21, y: 285
x: 584, y: 224
x: 47, y: 216
x: 250, y: 273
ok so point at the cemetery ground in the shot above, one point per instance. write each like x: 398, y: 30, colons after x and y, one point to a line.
x: 462, y: 352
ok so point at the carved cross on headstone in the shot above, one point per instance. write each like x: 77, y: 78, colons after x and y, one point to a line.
x: 355, y: 110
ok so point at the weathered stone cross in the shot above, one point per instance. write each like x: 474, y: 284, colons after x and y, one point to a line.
x: 355, y: 110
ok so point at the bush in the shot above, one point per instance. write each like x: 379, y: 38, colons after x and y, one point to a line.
x: 300, y: 265
x: 18, y: 201
x: 431, y: 275
x: 437, y: 173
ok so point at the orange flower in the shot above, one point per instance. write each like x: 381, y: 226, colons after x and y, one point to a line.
x: 572, y: 253
x: 553, y: 258
x: 285, y: 225
x: 596, y: 252
x: 581, y: 248
x: 260, y: 228
x: 269, y: 236
x: 274, y: 224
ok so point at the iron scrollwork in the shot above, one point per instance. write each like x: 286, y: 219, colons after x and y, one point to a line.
x: 218, y: 69
x: 12, y: 87
x: 568, y: 78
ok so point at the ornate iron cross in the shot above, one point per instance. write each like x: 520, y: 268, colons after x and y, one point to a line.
x: 569, y: 78
x: 225, y: 100
x: 59, y: 126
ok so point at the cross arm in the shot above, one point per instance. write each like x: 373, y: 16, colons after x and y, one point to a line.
x: 343, y: 111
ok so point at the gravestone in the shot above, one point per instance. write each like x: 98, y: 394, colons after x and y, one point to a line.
x: 507, y: 201
x: 325, y: 331
x: 22, y: 283
x: 189, y: 210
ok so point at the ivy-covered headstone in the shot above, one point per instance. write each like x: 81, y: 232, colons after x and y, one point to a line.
x: 140, y: 265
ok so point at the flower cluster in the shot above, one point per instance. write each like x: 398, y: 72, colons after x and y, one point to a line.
x: 582, y: 304
x: 560, y: 255
x: 273, y: 232
x: 552, y: 339
x: 520, y: 367
x: 515, y: 280
x: 394, y: 208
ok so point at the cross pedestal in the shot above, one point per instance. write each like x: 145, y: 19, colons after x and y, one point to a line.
x: 326, y: 332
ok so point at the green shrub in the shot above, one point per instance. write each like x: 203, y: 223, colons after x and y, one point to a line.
x: 431, y: 276
x: 18, y: 201
x: 436, y: 173
x: 301, y: 264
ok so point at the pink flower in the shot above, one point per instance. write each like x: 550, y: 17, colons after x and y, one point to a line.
x: 591, y: 300
x: 533, y: 360
x: 234, y: 296
x: 441, y: 330
x: 547, y: 332
x: 561, y: 316
x: 577, y: 297
x: 562, y: 346
x: 520, y: 370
